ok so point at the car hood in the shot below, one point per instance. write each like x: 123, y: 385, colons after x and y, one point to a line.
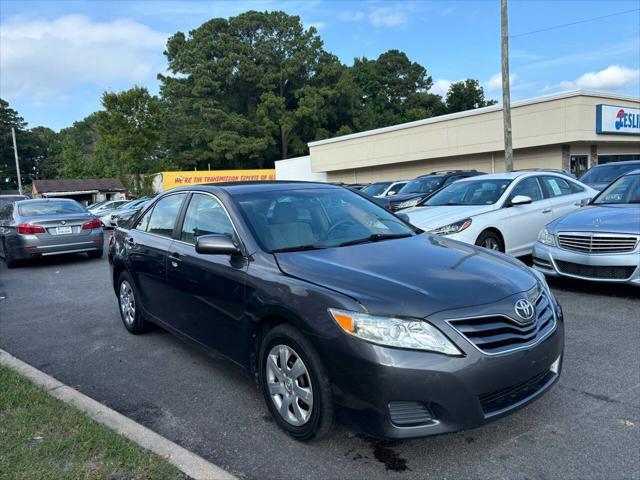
x: 429, y: 218
x: 601, y: 218
x: 415, y: 276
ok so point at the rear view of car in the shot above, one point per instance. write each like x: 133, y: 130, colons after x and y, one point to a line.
x: 43, y: 227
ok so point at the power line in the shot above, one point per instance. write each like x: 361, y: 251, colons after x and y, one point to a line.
x: 574, y: 23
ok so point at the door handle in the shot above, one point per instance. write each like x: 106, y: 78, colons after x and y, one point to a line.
x: 131, y: 242
x: 174, y: 260
x: 546, y: 210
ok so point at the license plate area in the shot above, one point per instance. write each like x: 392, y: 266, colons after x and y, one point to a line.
x: 64, y: 230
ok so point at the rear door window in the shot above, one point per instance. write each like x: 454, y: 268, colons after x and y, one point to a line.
x: 556, y: 186
x: 162, y: 219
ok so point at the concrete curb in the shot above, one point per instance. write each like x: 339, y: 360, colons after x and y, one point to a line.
x: 191, y: 464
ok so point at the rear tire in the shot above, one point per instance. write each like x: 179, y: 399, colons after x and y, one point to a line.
x: 95, y: 253
x: 8, y: 258
x: 491, y: 241
x: 129, y: 306
x: 301, y: 389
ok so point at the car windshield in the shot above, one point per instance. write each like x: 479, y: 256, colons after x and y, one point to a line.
x: 422, y: 185
x: 289, y: 220
x: 375, y: 188
x: 607, y: 173
x: 624, y: 190
x: 471, y: 192
x: 49, y: 207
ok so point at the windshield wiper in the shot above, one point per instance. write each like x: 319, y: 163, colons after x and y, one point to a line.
x: 298, y: 248
x: 376, y: 237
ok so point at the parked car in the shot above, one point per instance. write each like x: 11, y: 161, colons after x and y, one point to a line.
x: 103, y: 207
x: 127, y: 211
x: 383, y: 189
x: 43, y: 227
x: 4, y: 199
x: 600, y: 242
x: 420, y: 188
x: 333, y: 302
x: 600, y: 176
x: 503, y: 211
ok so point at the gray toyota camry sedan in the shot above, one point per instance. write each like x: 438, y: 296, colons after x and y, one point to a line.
x: 339, y: 308
x: 600, y: 242
x: 42, y: 227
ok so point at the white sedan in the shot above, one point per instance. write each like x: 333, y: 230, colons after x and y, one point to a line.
x: 503, y: 211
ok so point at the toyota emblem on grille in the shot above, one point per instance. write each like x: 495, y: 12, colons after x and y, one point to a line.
x: 525, y: 310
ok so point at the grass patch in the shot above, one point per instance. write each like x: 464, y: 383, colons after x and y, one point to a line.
x: 43, y: 438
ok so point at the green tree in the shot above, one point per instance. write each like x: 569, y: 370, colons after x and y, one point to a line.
x: 251, y: 89
x: 466, y: 95
x: 129, y: 131
x: 393, y: 90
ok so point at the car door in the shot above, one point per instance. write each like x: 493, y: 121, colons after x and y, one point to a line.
x: 207, y: 304
x: 565, y: 196
x: 147, y: 245
x: 524, y: 222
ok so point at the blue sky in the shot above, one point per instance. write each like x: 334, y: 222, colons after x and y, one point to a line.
x: 57, y: 57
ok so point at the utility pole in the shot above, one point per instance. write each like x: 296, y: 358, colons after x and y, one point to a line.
x: 15, y: 151
x: 506, y: 94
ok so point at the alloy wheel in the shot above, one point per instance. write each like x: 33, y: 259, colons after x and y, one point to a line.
x: 289, y: 385
x: 127, y: 303
x: 491, y: 244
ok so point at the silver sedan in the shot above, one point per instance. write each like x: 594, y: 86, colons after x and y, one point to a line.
x: 600, y: 242
x: 43, y: 227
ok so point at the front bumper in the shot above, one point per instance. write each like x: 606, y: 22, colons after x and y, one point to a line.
x: 41, y: 245
x: 379, y: 388
x: 611, y: 268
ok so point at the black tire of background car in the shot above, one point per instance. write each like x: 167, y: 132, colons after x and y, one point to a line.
x: 321, y: 421
x: 8, y: 258
x: 484, y: 236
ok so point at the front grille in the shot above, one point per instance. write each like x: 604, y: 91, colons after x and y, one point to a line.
x: 499, y: 333
x: 593, y: 271
x: 502, y: 399
x: 589, y: 242
x: 409, y: 414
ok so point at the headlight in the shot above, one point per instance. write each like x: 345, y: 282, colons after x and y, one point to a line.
x: 408, y: 203
x: 452, y: 227
x: 394, y: 332
x: 546, y: 237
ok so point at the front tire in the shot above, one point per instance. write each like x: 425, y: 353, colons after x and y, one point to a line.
x: 491, y: 241
x: 129, y: 306
x: 295, y: 384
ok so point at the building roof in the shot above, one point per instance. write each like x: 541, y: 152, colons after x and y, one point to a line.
x: 79, y: 184
x: 477, y: 111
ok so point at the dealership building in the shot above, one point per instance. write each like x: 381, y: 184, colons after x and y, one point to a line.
x: 571, y: 131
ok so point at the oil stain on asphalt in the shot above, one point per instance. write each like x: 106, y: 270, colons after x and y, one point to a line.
x: 383, y: 451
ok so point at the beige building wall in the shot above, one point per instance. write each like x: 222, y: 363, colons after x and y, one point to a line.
x: 474, y: 139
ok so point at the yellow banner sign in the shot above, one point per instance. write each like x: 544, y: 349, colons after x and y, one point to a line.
x: 181, y: 179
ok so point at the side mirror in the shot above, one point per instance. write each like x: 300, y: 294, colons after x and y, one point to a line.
x: 404, y: 217
x: 391, y: 192
x: 586, y: 201
x: 216, y: 245
x: 520, y: 200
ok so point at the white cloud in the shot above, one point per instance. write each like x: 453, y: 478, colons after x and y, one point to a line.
x: 494, y: 84
x: 612, y: 77
x: 388, y: 17
x: 347, y: 16
x: 440, y: 87
x: 44, y: 58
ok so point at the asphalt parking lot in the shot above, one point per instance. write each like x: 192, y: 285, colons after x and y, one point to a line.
x: 60, y: 315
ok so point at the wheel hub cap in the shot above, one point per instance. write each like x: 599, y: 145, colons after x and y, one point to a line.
x: 289, y: 385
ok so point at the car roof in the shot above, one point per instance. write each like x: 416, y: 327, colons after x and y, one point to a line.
x: 625, y: 162
x: 36, y: 200
x: 238, y: 188
x: 509, y: 175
